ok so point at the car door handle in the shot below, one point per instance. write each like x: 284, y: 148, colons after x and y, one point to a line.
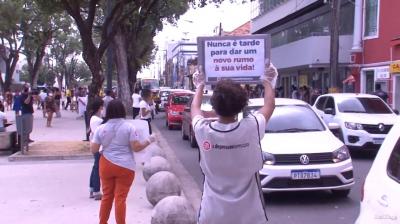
x: 383, y: 201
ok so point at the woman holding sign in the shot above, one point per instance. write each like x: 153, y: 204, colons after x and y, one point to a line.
x: 230, y: 151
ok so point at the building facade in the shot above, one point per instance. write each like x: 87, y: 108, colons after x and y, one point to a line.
x: 369, y: 44
x: 300, y: 40
x: 376, y: 51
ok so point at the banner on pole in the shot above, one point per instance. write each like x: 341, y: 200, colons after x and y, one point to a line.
x: 240, y: 58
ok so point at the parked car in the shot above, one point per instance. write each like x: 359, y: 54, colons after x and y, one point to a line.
x: 381, y: 191
x: 364, y: 119
x: 187, y: 130
x: 174, y: 108
x: 300, y: 153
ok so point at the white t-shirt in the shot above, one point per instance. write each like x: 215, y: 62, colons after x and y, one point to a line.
x: 144, y: 104
x: 82, y: 102
x: 95, y: 122
x: 2, y: 118
x: 136, y: 100
x: 230, y: 158
x: 43, y: 96
x: 115, y: 137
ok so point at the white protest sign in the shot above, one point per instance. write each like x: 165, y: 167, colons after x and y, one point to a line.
x: 240, y: 58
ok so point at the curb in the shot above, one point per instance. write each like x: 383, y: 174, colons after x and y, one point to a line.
x: 18, y: 157
x: 189, y: 186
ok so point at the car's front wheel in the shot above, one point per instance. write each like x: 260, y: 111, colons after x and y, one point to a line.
x: 184, y: 136
x: 341, y: 193
x: 192, y: 140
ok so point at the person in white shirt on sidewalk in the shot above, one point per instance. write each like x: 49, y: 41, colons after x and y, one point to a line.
x: 136, y: 103
x: 230, y: 151
x: 145, y: 107
x: 96, y: 120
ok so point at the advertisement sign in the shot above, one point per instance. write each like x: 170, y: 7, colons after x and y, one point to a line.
x: 240, y: 58
x: 382, y: 73
x: 395, y: 67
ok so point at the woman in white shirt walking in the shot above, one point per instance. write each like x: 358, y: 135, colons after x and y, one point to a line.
x: 95, y: 121
x: 145, y: 107
x: 117, y: 162
x: 136, y: 103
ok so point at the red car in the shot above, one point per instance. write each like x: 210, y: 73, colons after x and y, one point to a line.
x: 174, y: 108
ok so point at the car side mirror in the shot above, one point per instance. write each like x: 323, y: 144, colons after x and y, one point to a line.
x: 329, y: 111
x: 396, y: 111
x: 333, y: 126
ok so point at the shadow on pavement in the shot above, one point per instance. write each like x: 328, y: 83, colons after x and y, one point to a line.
x: 307, y: 198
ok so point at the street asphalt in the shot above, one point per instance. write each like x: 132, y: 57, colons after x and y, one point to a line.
x: 314, y: 207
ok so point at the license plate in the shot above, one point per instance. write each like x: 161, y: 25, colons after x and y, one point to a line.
x: 378, y: 141
x: 305, y: 174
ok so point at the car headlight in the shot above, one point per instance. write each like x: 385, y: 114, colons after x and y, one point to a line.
x: 174, y: 112
x: 268, y: 158
x: 341, y: 154
x: 353, y: 126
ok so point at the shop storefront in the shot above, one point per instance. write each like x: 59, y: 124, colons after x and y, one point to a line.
x: 395, y: 74
x: 375, y: 75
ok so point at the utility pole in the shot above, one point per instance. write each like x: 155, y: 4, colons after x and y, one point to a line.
x: 110, y: 60
x: 334, y: 47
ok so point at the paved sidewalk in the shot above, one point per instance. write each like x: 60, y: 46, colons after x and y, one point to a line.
x: 38, y: 191
x: 62, y: 141
x: 58, y: 192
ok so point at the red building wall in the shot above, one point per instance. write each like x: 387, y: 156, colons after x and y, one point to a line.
x: 378, y: 49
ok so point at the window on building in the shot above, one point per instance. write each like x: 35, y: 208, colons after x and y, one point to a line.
x: 393, y: 167
x: 317, y: 26
x: 371, y: 18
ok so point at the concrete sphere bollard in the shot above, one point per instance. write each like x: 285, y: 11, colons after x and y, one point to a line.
x: 173, y: 210
x: 156, y: 164
x: 155, y: 150
x: 162, y: 184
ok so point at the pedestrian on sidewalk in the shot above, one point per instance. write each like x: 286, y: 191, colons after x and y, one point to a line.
x: 230, y: 151
x: 96, y: 119
x: 68, y: 94
x: 50, y: 107
x: 107, y: 98
x: 3, y: 119
x: 27, y: 112
x: 57, y: 97
x: 145, y: 107
x: 17, y: 103
x: 135, y: 103
x: 118, y: 139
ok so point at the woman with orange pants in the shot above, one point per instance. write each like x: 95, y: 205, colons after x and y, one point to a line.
x: 118, y: 139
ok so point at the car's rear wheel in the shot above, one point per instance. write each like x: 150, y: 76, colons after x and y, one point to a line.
x: 184, y: 136
x: 192, y: 140
x: 341, y: 193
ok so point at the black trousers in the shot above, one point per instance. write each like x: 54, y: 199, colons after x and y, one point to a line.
x: 148, y: 121
x: 135, y: 112
x: 87, y: 125
x: 68, y: 102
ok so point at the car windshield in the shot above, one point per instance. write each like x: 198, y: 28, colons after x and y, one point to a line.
x: 180, y: 100
x: 291, y: 118
x: 363, y: 105
x: 164, y: 93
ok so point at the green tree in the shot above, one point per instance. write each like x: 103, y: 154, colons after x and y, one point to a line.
x: 11, y: 15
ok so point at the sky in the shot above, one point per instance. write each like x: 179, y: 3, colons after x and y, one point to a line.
x: 200, y: 22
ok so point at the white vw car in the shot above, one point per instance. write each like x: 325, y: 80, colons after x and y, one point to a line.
x: 301, y: 153
x: 364, y: 119
x: 381, y: 191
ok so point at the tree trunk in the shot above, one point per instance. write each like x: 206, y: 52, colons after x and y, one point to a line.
x: 124, y: 92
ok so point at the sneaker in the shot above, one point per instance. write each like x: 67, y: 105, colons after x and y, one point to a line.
x: 97, y: 196
x: 91, y: 195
